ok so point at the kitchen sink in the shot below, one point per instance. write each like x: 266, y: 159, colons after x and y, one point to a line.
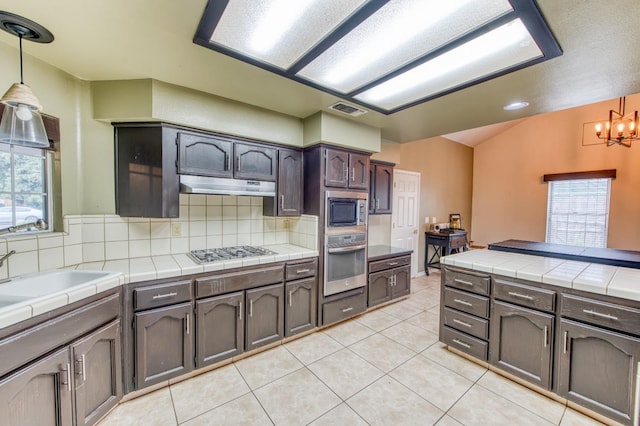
x: 26, y: 287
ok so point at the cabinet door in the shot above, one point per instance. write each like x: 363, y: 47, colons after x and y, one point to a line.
x: 401, y: 282
x: 163, y: 345
x: 289, y: 182
x: 598, y: 369
x: 255, y: 162
x: 300, y: 312
x: 521, y: 342
x: 379, y: 288
x: 220, y: 328
x: 383, y: 189
x: 335, y: 171
x: 204, y: 155
x: 358, y: 171
x: 265, y: 312
x: 39, y: 394
x: 98, y: 373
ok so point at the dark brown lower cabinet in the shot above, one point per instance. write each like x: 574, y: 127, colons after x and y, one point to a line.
x: 388, y: 285
x: 98, y: 373
x: 86, y: 375
x: 598, y: 369
x: 265, y: 315
x: 300, y: 312
x: 220, y: 328
x: 40, y: 394
x: 163, y: 344
x: 521, y: 342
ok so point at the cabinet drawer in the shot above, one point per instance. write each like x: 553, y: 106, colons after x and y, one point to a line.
x: 343, y: 308
x: 610, y: 315
x: 467, y: 302
x: 467, y: 281
x: 467, y: 323
x: 394, y: 262
x: 525, y: 295
x: 458, y: 242
x: 465, y: 343
x: 154, y: 296
x: 301, y: 270
x: 236, y: 281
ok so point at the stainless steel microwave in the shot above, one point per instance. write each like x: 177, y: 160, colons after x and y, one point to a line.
x: 346, y: 209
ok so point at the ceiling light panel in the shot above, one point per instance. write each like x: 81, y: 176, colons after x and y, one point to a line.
x: 279, y: 32
x: 500, y: 49
x: 398, y: 33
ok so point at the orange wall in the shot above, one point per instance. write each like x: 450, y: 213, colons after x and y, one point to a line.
x: 509, y: 196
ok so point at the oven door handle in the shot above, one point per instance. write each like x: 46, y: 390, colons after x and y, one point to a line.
x: 347, y: 249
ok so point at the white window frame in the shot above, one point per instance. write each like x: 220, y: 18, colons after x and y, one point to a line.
x: 585, y: 220
x: 47, y: 155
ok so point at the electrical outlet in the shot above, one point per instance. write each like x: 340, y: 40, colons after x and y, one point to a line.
x: 285, y: 224
x: 176, y: 229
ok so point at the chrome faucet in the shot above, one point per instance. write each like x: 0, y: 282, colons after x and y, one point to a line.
x: 6, y: 256
x: 38, y: 224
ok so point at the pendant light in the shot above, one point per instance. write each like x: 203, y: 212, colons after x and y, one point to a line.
x: 21, y: 122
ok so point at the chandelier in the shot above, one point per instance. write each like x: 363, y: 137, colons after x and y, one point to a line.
x: 621, y: 128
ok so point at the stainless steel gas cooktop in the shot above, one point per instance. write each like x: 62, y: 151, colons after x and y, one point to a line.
x: 226, y: 253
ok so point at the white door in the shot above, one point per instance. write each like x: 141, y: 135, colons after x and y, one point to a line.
x: 404, y: 218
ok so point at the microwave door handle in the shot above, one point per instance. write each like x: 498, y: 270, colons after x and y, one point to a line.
x: 346, y: 249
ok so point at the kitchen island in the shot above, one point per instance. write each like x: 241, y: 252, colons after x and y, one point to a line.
x: 565, y: 326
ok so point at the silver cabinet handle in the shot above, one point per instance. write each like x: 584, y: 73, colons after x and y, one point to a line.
x: 463, y: 302
x: 188, y: 326
x: 392, y: 263
x: 290, y: 298
x: 465, y: 324
x: 598, y: 314
x: 251, y: 308
x: 302, y: 271
x: 520, y: 295
x: 282, y: 202
x: 82, y: 370
x: 67, y: 375
x: 350, y: 308
x: 546, y: 336
x: 565, y: 344
x: 353, y: 174
x: 461, y: 343
x: 240, y: 311
x: 459, y: 281
x: 165, y: 295
x: 377, y: 203
x: 238, y: 163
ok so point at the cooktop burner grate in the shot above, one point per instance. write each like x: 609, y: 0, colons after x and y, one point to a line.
x: 226, y: 253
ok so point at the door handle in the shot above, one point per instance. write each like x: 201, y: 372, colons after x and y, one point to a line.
x: 251, y: 308
x: 290, y: 298
x: 565, y: 344
x: 546, y: 336
x: 67, y: 374
x: 282, y: 202
x: 187, y: 325
x: 227, y: 162
x: 82, y: 369
x: 240, y: 311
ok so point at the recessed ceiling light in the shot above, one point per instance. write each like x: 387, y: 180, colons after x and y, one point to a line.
x: 385, y: 55
x: 515, y: 106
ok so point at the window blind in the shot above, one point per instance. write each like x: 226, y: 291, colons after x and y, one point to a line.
x: 578, y: 212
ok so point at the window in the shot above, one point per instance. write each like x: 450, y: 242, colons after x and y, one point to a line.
x: 24, y: 185
x: 578, y: 212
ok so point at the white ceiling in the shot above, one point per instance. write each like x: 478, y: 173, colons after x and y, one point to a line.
x: 130, y: 39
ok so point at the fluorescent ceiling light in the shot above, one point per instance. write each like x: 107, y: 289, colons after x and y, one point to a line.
x: 491, y: 52
x: 383, y: 54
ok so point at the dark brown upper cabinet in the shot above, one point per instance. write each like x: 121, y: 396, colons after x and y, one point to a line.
x: 255, y: 162
x: 380, y: 187
x: 288, y: 201
x: 204, y: 155
x: 344, y: 169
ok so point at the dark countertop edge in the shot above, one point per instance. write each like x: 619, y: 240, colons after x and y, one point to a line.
x: 382, y: 251
x: 603, y: 260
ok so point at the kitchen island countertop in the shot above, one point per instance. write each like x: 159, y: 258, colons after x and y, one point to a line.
x: 597, y: 278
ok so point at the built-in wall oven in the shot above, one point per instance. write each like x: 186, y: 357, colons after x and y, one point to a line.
x: 345, y: 241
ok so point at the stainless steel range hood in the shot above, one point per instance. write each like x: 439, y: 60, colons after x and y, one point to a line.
x: 223, y: 186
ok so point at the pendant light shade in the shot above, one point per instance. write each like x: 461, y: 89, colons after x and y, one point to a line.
x: 21, y: 122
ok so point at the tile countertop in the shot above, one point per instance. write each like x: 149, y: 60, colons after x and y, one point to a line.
x: 142, y: 269
x: 609, y: 280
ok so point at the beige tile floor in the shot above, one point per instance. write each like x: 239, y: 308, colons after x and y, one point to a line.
x: 383, y: 368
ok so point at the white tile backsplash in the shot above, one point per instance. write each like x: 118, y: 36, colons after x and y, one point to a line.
x: 209, y: 221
